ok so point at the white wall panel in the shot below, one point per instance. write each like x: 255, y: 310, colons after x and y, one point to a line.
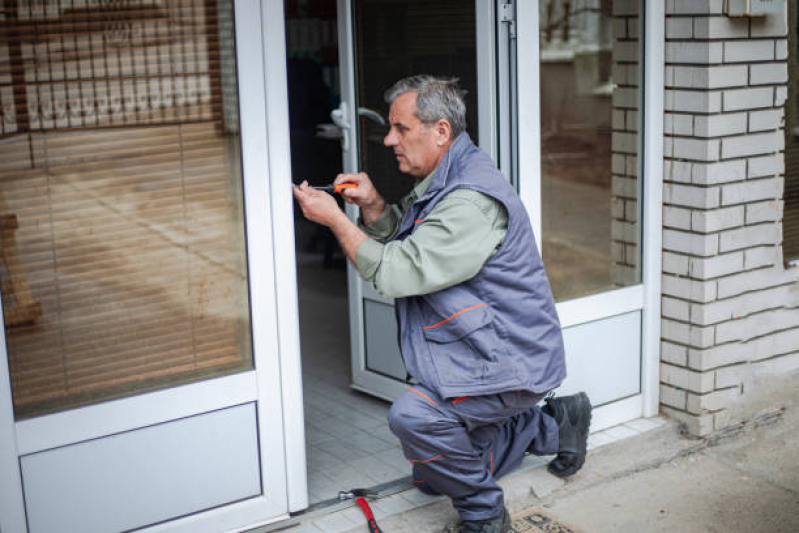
x: 142, y: 477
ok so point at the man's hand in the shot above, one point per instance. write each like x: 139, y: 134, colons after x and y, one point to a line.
x: 364, y: 195
x: 318, y: 206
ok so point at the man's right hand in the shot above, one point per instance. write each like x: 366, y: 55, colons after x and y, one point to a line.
x: 364, y: 195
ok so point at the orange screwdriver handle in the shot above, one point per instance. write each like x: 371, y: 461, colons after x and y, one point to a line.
x: 346, y: 185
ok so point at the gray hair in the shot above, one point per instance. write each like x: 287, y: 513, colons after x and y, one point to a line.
x: 437, y: 98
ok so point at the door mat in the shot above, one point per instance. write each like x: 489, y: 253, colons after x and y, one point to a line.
x: 537, y: 520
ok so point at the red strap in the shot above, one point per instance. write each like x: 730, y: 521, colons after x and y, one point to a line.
x: 367, y: 511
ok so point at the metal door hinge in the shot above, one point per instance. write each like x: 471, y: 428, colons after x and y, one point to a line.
x: 507, y: 14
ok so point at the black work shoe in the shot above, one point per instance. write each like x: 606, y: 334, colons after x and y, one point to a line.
x: 573, y: 416
x: 500, y: 524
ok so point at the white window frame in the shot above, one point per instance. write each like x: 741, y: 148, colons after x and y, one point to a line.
x: 275, y: 382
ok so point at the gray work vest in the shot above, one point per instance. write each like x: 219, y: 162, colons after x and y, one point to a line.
x: 498, y: 331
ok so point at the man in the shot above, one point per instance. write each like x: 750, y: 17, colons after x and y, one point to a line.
x: 478, y: 326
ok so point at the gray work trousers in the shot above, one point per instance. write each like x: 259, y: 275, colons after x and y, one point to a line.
x: 459, y: 447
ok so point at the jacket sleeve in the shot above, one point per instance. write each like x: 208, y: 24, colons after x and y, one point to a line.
x: 449, y: 246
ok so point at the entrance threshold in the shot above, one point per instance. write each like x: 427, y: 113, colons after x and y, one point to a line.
x: 333, y: 516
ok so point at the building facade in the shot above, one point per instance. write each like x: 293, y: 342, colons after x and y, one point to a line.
x: 180, y: 349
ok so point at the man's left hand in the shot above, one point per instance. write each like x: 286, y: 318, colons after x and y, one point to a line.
x: 317, y: 206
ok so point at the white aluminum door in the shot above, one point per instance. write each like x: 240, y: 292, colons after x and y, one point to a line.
x: 203, y: 449
x: 379, y: 43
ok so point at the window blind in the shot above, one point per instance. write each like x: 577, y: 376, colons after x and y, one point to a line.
x: 123, y: 256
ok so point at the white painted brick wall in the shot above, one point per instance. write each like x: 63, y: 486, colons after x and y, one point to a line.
x: 720, y: 28
x: 749, y: 50
x: 715, y: 77
x: 770, y: 211
x: 692, y: 148
x: 769, y: 73
x: 752, y: 144
x: 745, y: 329
x: 750, y: 236
x: 720, y: 125
x: 750, y: 98
x: 680, y: 52
x: 768, y: 165
x: 715, y: 173
x: 679, y: 171
x: 694, y: 7
x: 676, y: 217
x: 751, y: 191
x: 689, y: 289
x: 691, y: 196
x: 741, y: 306
x: 763, y: 256
x: 673, y: 353
x: 713, y: 267
x: 675, y: 263
x: 692, y: 101
x: 712, y: 401
x: 754, y: 280
x: 690, y: 243
x: 679, y: 27
x: 729, y: 307
x: 676, y: 309
x: 686, y: 379
x: 673, y: 396
x: 769, y: 119
x: 776, y: 344
x: 717, y: 219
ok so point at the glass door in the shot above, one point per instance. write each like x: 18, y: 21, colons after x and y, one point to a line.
x: 590, y: 89
x: 130, y: 289
x: 380, y: 42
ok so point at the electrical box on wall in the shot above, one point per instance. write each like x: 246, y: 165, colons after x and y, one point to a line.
x: 754, y: 8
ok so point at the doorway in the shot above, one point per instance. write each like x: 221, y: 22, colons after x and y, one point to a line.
x: 347, y: 331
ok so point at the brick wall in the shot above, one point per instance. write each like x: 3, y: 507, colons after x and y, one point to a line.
x: 730, y: 309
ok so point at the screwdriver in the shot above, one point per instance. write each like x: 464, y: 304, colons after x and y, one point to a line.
x: 336, y: 188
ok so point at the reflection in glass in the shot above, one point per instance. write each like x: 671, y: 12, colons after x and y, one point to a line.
x: 400, y: 38
x: 123, y: 259
x: 589, y: 125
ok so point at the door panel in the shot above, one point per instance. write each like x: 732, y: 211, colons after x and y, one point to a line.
x: 605, y: 370
x: 212, y: 460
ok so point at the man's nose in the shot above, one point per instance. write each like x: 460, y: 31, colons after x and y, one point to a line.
x: 390, y: 139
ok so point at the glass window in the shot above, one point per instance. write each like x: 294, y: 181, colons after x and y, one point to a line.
x: 123, y: 256
x: 590, y: 93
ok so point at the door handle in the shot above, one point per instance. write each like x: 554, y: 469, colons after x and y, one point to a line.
x: 339, y: 118
x: 372, y: 115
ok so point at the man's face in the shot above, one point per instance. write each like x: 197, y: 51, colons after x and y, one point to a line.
x: 418, y: 148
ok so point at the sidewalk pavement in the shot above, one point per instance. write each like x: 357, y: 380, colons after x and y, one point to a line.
x: 743, y: 479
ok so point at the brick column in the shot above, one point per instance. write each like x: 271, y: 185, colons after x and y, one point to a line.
x: 730, y: 309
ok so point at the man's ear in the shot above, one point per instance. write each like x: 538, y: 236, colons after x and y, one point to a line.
x: 443, y: 131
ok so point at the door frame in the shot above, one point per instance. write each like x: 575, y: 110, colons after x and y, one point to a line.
x: 644, y: 296
x: 264, y: 145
